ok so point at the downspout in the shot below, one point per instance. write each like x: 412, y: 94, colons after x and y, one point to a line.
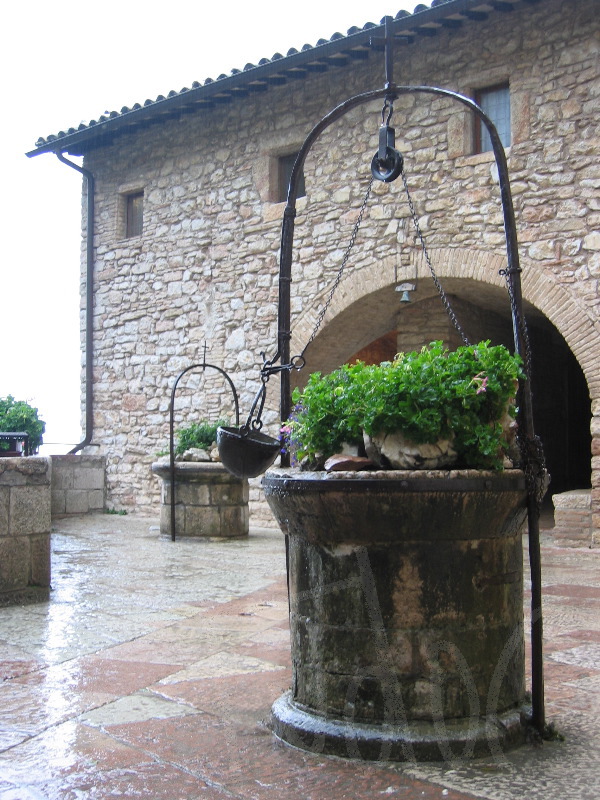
x: 89, y: 309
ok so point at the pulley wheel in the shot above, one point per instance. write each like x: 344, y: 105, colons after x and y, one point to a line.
x: 388, y: 168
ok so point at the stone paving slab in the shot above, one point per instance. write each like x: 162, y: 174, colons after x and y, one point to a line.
x: 152, y: 670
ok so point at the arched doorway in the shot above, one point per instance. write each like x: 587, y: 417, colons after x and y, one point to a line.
x: 377, y: 325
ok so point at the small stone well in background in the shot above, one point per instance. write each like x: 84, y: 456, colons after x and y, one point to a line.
x: 209, y: 501
x: 25, y: 525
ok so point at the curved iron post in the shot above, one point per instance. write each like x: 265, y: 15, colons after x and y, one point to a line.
x: 202, y: 366
x: 513, y: 276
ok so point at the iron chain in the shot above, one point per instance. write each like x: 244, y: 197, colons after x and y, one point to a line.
x: 340, y: 271
x: 438, y: 285
x: 520, y: 320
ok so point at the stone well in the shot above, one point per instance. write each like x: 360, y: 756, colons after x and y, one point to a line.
x: 406, y: 612
x: 209, y: 501
x: 25, y: 525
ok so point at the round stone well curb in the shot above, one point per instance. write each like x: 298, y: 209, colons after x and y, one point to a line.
x: 406, y: 612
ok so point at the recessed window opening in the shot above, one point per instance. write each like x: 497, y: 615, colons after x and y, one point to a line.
x: 495, y: 101
x: 285, y: 165
x: 134, y: 214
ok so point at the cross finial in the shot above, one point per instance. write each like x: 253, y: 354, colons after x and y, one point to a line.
x: 387, y: 43
x: 389, y: 53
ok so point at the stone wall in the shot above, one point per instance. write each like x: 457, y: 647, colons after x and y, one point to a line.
x: 25, y: 524
x: 573, y: 518
x: 78, y: 484
x: 205, y: 268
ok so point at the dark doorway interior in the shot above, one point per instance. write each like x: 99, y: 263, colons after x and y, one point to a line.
x: 561, y: 401
x: 562, y: 408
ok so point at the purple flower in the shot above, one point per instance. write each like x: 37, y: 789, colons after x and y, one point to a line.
x: 480, y: 380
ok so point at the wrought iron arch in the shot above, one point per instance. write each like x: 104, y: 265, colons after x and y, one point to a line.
x: 203, y: 366
x: 531, y: 447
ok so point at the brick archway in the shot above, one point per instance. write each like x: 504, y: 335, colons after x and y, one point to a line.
x: 365, y: 304
x: 454, y: 266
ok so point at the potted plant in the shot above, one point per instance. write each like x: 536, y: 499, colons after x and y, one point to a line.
x: 198, y: 440
x: 17, y: 416
x: 406, y: 585
x: 426, y: 409
x: 199, y: 497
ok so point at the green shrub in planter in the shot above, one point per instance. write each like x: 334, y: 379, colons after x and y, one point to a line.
x: 427, y: 396
x: 17, y: 415
x: 201, y: 434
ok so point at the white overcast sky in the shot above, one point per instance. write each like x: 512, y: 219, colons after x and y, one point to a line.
x: 67, y: 62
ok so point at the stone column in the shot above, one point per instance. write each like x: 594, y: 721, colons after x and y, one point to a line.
x: 595, y: 494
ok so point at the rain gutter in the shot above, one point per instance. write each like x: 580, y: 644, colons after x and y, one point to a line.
x: 89, y: 305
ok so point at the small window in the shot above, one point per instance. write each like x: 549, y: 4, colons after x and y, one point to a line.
x: 285, y: 166
x: 134, y: 214
x: 495, y: 101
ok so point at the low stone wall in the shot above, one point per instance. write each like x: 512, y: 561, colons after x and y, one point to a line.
x: 25, y: 524
x: 209, y: 500
x: 78, y: 484
x: 573, y: 516
x: 261, y: 515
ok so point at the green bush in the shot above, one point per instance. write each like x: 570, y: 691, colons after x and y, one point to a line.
x: 198, y: 434
x: 16, y: 415
x: 427, y: 395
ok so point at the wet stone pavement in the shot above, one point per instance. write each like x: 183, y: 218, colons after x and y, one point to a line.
x: 152, y: 670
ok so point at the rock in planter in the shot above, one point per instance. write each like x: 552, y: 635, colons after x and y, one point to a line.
x: 394, y: 450
x: 195, y: 454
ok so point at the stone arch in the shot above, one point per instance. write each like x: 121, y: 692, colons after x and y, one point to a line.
x: 471, y: 274
x: 578, y: 329
x: 540, y: 291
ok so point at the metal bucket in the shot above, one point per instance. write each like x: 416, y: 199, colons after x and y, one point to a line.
x: 245, y: 453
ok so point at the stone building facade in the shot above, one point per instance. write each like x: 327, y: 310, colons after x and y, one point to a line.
x: 204, y: 269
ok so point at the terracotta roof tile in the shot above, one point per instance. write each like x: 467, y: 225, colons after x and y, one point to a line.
x: 424, y: 21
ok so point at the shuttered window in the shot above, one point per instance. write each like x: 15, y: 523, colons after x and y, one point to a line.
x: 134, y: 221
x: 495, y: 101
x: 285, y: 165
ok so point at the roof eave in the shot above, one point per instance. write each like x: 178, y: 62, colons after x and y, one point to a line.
x: 254, y: 78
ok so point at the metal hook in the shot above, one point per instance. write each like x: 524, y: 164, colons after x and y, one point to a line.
x: 256, y: 423
x: 269, y: 368
x: 389, y: 106
x: 297, y: 363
